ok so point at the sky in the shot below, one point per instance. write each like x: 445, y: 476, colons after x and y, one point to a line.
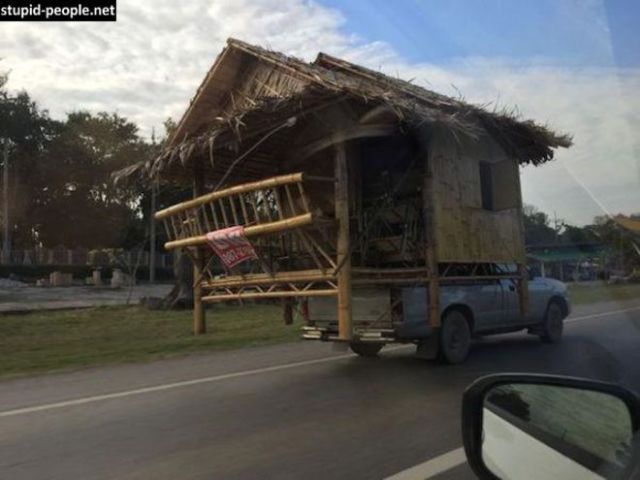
x: 573, y: 65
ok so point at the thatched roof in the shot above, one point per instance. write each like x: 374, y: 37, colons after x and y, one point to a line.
x: 628, y: 223
x: 249, y: 90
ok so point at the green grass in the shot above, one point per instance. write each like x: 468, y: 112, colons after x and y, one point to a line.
x: 46, y: 341
x: 590, y: 293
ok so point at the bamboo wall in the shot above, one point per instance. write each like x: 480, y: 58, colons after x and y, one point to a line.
x: 465, y: 232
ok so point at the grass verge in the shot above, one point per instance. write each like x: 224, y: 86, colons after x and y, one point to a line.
x: 53, y: 340
x: 581, y: 294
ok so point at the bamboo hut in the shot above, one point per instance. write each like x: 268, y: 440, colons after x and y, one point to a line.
x: 351, y: 186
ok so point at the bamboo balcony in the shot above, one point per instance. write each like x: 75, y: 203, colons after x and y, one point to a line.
x: 276, y: 215
x: 267, y: 206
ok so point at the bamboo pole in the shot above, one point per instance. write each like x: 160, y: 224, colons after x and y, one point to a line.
x: 252, y: 231
x: 254, y: 279
x: 428, y: 197
x: 152, y: 232
x: 199, y: 319
x: 388, y: 271
x: 234, y: 212
x: 523, y: 282
x: 243, y: 208
x: 243, y: 188
x: 257, y: 295
x: 225, y: 218
x: 345, y: 320
x: 287, y: 311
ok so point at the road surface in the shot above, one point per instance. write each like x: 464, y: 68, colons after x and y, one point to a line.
x: 293, y: 411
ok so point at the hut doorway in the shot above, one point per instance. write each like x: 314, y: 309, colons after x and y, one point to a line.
x: 388, y: 204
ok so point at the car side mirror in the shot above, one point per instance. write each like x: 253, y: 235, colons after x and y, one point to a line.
x: 521, y: 426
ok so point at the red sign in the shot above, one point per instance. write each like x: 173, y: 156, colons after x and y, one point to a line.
x: 231, y: 245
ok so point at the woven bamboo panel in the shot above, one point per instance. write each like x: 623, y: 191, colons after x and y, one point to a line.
x: 466, y: 232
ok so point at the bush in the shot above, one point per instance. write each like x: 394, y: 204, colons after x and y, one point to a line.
x: 31, y: 273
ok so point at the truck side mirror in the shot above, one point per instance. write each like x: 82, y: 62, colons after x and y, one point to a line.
x: 544, y: 426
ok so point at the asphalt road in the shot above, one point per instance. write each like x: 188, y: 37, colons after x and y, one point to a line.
x: 294, y: 411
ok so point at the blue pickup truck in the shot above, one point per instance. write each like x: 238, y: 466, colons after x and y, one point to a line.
x: 467, y: 310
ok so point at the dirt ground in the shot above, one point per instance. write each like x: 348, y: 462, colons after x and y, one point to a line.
x: 29, y: 298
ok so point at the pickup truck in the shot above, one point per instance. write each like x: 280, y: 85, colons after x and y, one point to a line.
x: 467, y: 310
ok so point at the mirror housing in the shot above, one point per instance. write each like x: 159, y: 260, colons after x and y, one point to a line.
x: 512, y: 395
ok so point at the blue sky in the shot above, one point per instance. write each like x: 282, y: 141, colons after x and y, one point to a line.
x: 575, y: 33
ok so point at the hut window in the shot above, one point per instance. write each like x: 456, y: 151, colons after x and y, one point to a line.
x: 486, y: 185
x: 499, y: 185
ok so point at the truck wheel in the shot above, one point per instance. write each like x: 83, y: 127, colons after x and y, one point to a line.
x: 552, y: 324
x: 455, y: 338
x: 366, y: 349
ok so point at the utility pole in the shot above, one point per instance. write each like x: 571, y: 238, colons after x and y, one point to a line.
x: 152, y: 225
x: 152, y: 232
x: 6, y: 240
x: 555, y: 226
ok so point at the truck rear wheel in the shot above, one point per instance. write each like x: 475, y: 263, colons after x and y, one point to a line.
x: 366, y: 349
x: 455, y: 338
x: 553, y: 324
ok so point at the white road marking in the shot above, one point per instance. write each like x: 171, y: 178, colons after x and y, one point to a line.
x: 453, y: 458
x: 603, y: 314
x: 185, y: 383
x: 170, y: 386
x: 226, y: 376
x: 433, y: 467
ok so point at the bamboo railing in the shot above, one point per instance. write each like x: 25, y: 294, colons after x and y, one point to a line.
x: 275, y: 206
x: 264, y: 207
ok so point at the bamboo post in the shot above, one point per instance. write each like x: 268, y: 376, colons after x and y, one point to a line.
x: 345, y: 321
x: 199, y: 319
x: 523, y: 280
x: 430, y: 245
x: 152, y: 232
x: 523, y: 289
x: 287, y: 313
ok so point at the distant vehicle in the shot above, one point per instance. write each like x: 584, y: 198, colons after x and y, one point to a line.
x: 467, y: 310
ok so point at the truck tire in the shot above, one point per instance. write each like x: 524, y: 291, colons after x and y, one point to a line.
x: 552, y: 324
x: 366, y: 349
x: 455, y: 338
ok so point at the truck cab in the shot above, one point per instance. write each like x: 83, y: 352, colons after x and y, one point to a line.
x: 488, y: 306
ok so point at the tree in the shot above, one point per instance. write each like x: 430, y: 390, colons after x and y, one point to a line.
x: 618, y: 240
x: 29, y: 131
x: 578, y: 235
x: 85, y: 207
x: 536, y: 227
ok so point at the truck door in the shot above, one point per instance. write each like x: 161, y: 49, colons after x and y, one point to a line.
x: 510, y: 302
x: 485, y: 300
